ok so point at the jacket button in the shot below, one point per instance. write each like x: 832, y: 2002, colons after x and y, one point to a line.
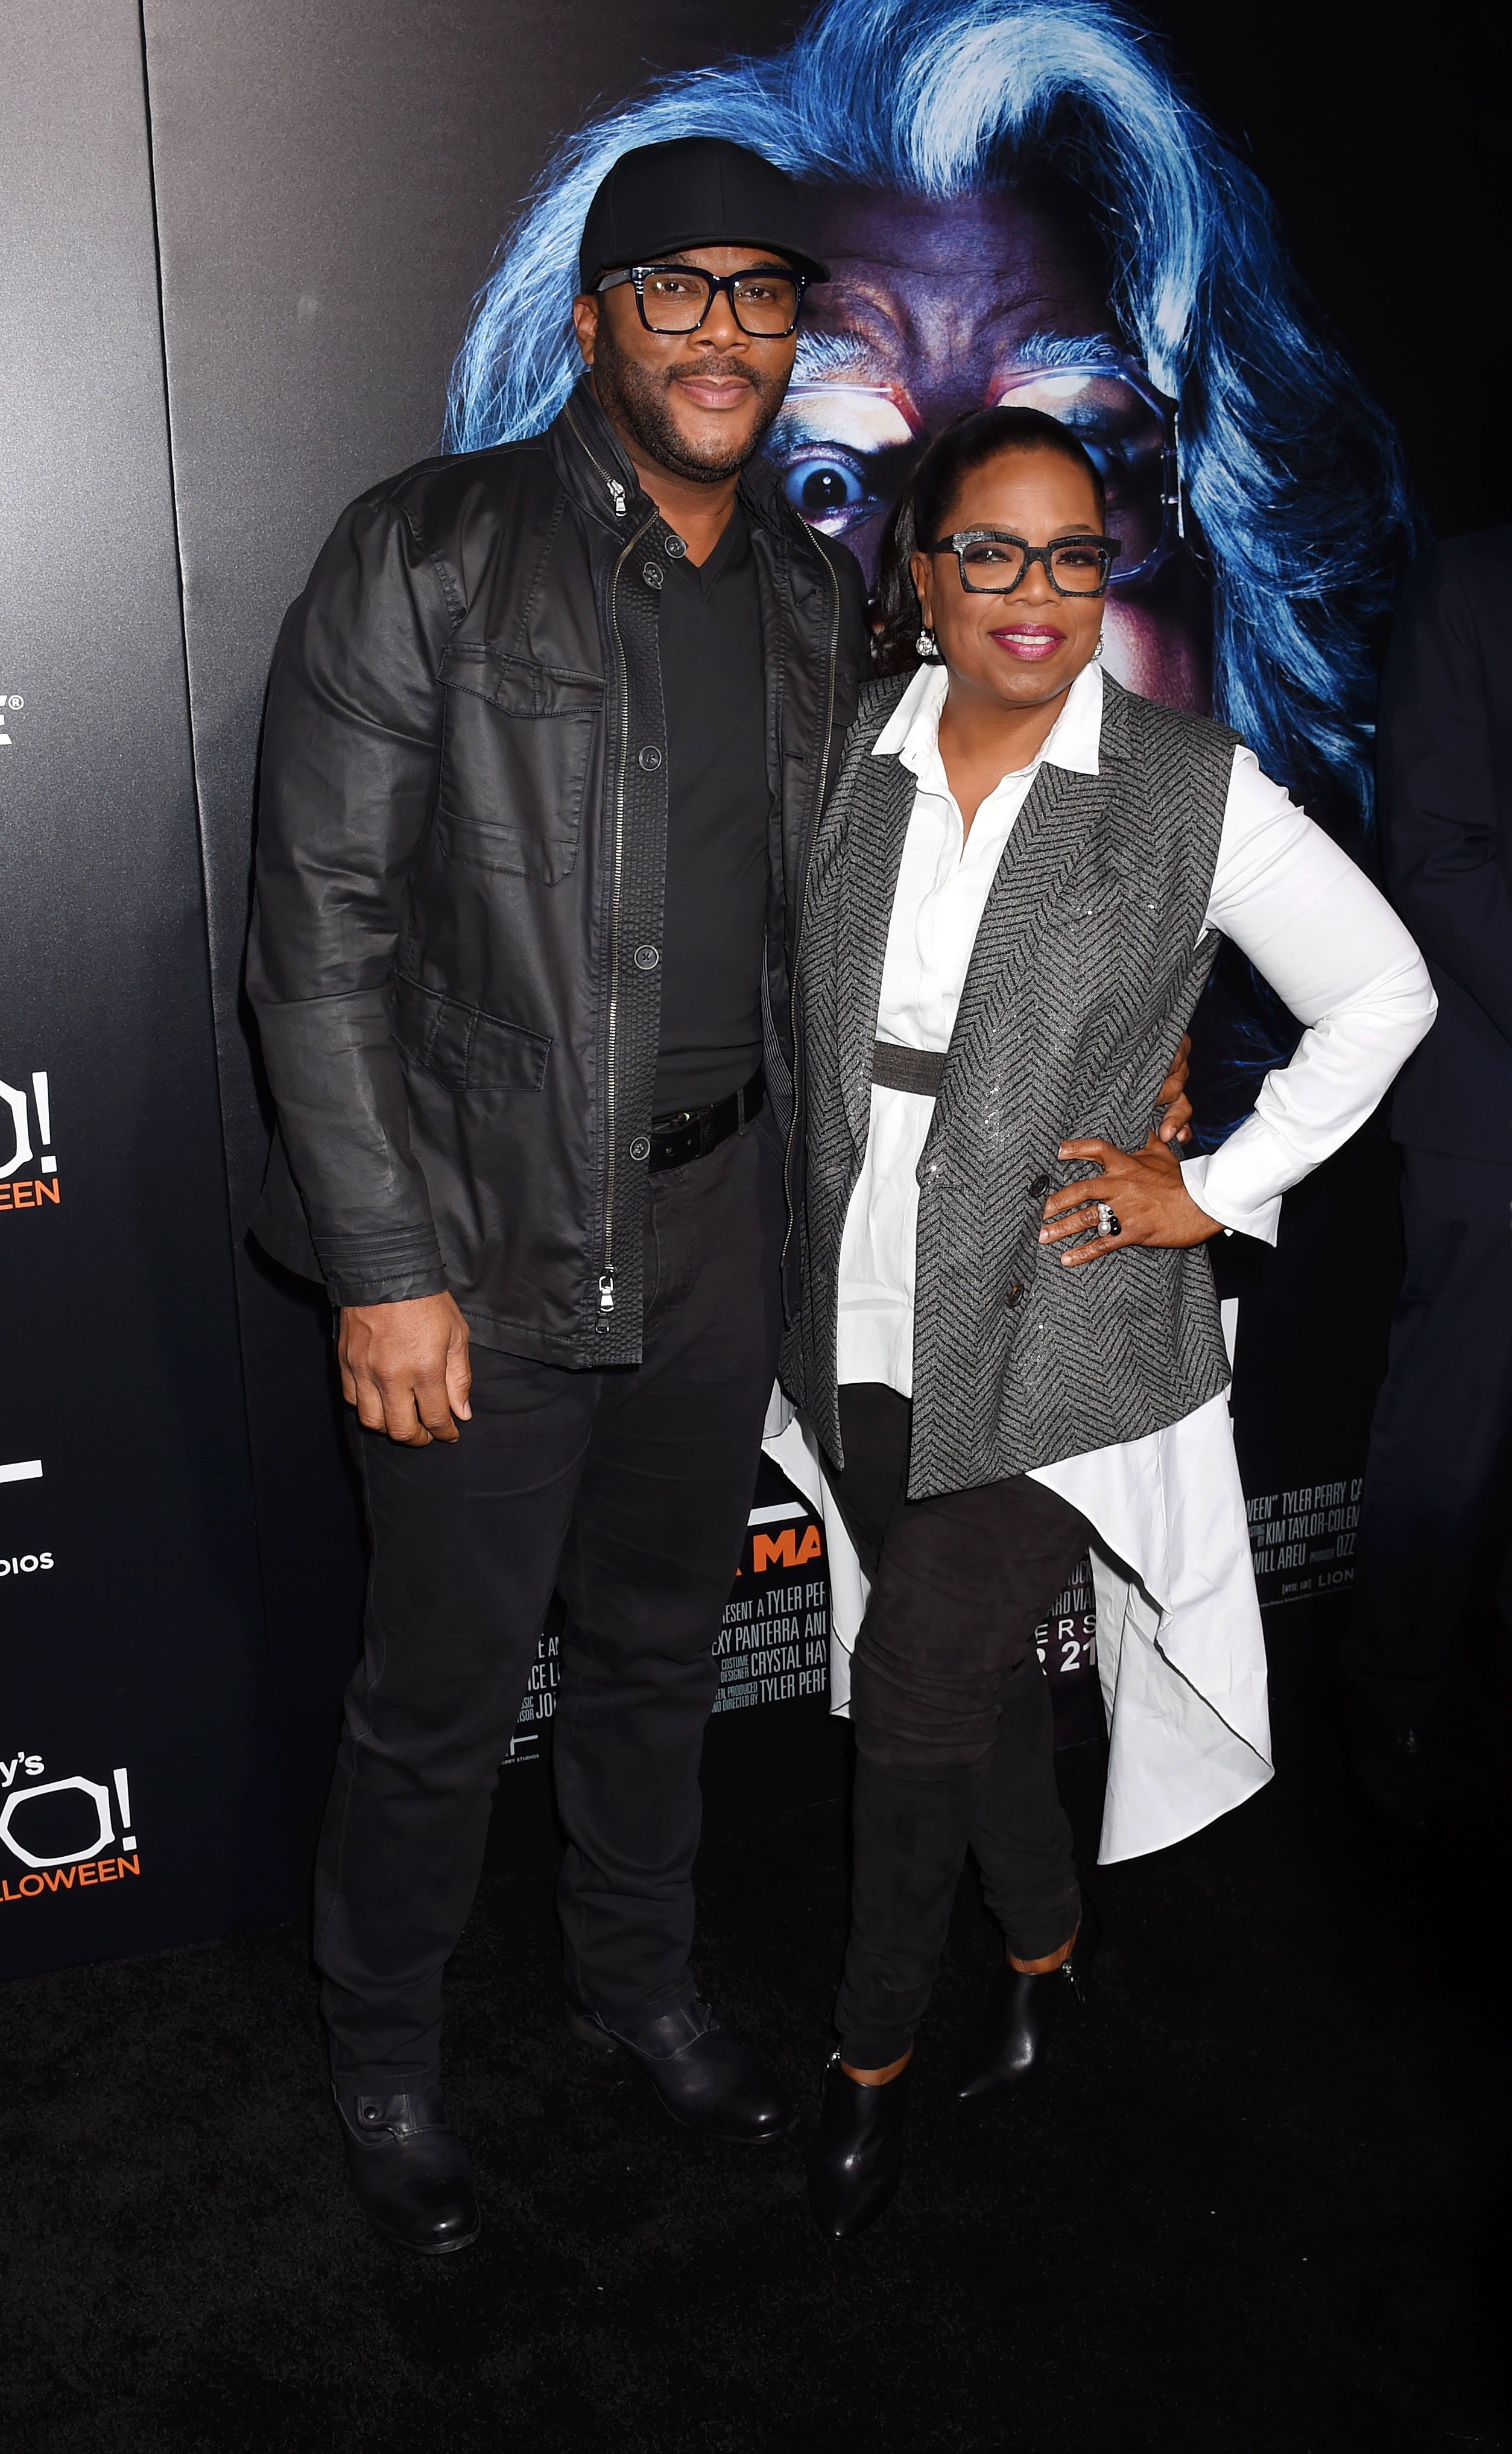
x: 650, y: 758
x: 1040, y: 1188
x: 640, y: 1147
x: 646, y: 958
x: 675, y: 547
x: 652, y: 574
x: 1014, y: 1293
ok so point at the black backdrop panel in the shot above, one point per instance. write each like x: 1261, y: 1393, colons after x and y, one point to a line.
x: 137, y: 1799
x: 331, y: 182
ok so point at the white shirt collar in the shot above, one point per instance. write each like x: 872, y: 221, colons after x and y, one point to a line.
x: 911, y: 733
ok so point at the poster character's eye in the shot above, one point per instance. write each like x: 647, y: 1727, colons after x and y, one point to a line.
x: 827, y: 490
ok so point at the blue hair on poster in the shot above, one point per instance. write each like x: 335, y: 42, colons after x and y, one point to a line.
x: 1289, y: 498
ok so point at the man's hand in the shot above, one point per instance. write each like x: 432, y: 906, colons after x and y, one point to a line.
x: 1176, y: 1124
x: 405, y: 1368
x: 1144, y: 1192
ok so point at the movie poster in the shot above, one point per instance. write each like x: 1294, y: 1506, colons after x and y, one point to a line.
x: 1019, y: 206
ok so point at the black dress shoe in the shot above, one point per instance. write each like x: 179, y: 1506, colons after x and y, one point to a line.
x: 703, y: 2076
x: 408, y: 2169
x: 855, y: 2163
x: 1007, y: 2048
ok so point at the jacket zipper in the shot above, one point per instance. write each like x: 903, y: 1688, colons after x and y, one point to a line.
x: 620, y: 499
x: 802, y: 911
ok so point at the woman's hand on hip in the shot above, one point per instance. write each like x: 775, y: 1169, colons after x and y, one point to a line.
x: 1137, y: 1197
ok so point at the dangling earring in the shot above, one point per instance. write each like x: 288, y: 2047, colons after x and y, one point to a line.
x: 1097, y: 652
x: 925, y: 648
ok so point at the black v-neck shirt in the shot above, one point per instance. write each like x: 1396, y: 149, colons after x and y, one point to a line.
x: 718, y: 820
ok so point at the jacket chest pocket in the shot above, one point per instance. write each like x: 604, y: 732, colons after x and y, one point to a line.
x: 520, y: 751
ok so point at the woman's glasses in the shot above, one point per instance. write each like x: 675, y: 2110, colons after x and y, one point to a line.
x: 991, y: 563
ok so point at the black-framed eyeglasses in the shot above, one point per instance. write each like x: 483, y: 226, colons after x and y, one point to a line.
x: 765, y: 300
x: 991, y: 563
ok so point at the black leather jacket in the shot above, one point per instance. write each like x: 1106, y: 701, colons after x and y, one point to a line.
x: 460, y: 869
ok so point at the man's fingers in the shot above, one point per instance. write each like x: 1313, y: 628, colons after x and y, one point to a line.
x: 431, y: 1403
x: 459, y: 1383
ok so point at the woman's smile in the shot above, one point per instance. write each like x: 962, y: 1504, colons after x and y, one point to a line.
x: 1031, y: 642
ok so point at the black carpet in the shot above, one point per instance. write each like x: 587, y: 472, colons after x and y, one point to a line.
x: 1261, y: 2204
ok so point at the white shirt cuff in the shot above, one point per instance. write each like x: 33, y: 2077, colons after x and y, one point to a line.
x: 1233, y: 1193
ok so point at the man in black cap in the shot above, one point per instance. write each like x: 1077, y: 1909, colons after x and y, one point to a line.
x: 547, y: 741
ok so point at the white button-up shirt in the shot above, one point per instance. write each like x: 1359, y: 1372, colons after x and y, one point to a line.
x: 1180, y: 1649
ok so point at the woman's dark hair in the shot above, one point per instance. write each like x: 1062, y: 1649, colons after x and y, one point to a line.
x: 924, y: 507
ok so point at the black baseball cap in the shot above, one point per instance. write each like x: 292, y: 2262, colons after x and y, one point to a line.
x: 693, y: 191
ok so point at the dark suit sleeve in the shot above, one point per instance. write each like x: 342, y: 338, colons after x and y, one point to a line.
x: 349, y: 758
x: 1440, y: 821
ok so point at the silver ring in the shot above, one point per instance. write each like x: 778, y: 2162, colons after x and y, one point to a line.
x: 1107, y: 1224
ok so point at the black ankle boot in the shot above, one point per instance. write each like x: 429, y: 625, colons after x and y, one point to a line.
x: 408, y: 2169
x: 1007, y: 2045
x: 855, y: 2163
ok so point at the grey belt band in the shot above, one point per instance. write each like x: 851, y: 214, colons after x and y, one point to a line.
x: 907, y: 1069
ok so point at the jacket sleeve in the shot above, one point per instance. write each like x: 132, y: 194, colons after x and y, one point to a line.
x: 1439, y: 813
x: 350, y: 758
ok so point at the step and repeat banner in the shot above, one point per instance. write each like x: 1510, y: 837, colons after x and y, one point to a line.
x: 273, y: 254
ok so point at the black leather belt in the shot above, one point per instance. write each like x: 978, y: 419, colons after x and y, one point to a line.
x: 697, y: 1131
x: 907, y: 1069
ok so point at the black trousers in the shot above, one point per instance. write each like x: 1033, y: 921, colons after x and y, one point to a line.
x: 954, y: 1742
x: 626, y: 1490
x: 1438, y: 1442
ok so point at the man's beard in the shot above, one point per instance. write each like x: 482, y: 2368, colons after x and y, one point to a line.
x: 636, y: 396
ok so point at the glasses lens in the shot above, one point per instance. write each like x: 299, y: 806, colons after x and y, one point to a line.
x: 1079, y: 569
x: 991, y: 564
x: 674, y: 299
x: 1125, y: 437
x: 766, y: 303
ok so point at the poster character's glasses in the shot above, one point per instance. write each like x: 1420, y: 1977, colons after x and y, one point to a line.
x: 991, y: 563
x: 846, y: 450
x: 765, y: 300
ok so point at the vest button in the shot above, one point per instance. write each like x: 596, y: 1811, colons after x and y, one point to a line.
x: 1014, y: 1293
x: 650, y: 758
x: 1040, y: 1188
x: 652, y: 574
x: 646, y: 958
x: 675, y: 547
x: 640, y: 1147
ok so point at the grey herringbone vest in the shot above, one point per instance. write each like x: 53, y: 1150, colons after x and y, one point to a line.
x: 1086, y: 967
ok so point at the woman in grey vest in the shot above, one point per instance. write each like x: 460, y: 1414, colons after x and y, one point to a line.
x: 1008, y: 1345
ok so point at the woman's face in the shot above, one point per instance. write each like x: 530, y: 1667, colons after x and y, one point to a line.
x: 939, y: 308
x: 1024, y: 649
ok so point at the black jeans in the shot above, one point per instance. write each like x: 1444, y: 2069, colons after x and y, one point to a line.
x: 628, y: 1491
x: 954, y: 1742
x: 1437, y: 1464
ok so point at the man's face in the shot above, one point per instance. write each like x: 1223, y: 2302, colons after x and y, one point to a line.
x: 940, y: 309
x: 694, y: 403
